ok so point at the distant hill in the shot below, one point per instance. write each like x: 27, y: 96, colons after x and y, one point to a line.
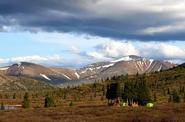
x: 12, y: 83
x: 125, y: 65
x: 51, y: 75
x: 63, y: 77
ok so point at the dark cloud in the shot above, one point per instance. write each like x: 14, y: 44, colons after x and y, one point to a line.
x: 120, y: 20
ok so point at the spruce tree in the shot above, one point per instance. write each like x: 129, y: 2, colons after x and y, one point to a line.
x: 94, y: 88
x: 170, y: 99
x: 176, y: 97
x: 26, y: 102
x: 14, y: 96
x: 155, y: 97
x: 112, y: 92
x: 143, y: 94
x: 2, y: 106
x: 168, y: 91
x: 49, y: 102
x: 71, y: 103
x: 137, y: 91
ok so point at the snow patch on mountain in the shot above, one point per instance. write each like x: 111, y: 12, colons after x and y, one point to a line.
x: 44, y: 76
x: 160, y: 68
x: 151, y: 61
x: 84, y: 71
x: 128, y: 58
x: 109, y: 65
x: 77, y: 75
x: 66, y: 76
x: 87, y: 69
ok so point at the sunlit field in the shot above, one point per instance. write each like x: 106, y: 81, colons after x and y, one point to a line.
x: 97, y: 111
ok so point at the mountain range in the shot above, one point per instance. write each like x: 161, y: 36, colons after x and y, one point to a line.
x: 62, y: 77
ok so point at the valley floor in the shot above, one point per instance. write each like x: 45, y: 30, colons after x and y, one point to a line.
x: 97, y: 113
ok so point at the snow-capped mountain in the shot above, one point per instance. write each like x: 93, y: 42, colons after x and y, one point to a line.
x: 125, y: 65
x: 60, y: 76
x: 52, y: 75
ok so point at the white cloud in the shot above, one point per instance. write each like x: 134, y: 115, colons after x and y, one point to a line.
x: 160, y: 51
x: 2, y: 60
x: 116, y: 49
x: 74, y: 49
x: 97, y: 56
x: 106, y: 51
x: 49, y: 60
x: 37, y: 59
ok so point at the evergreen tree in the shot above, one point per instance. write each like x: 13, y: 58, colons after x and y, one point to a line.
x: 103, y: 90
x: 112, y: 93
x: 168, y: 91
x: 71, y: 103
x: 26, y: 102
x: 137, y: 91
x: 155, y: 97
x: 184, y: 97
x: 14, y: 96
x: 2, y: 106
x: 129, y: 93
x: 143, y: 94
x: 176, y: 97
x: 49, y: 102
x: 170, y: 99
x: 94, y: 88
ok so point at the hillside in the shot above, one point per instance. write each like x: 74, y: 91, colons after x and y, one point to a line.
x: 11, y: 83
x: 38, y: 72
x: 62, y: 77
x: 125, y: 65
x: 162, y: 84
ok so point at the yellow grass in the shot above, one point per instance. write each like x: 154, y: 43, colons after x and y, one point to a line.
x: 96, y: 111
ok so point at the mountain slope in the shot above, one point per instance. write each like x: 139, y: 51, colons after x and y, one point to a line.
x: 12, y: 83
x: 96, y: 71
x: 38, y: 72
x: 126, y: 65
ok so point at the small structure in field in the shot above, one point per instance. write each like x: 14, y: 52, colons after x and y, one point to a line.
x: 12, y: 107
x: 149, y: 105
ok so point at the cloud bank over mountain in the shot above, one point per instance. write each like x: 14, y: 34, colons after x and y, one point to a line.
x: 87, y: 31
x: 159, y: 51
x: 144, y: 20
x: 47, y: 60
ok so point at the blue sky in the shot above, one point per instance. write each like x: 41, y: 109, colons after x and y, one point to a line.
x: 61, y: 33
x: 73, y: 50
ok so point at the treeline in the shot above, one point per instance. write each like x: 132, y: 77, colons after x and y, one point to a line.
x: 136, y: 91
x: 55, y: 97
x: 164, y: 86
